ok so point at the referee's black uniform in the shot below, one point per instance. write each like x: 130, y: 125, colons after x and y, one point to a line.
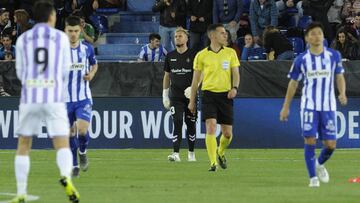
x: 180, y: 68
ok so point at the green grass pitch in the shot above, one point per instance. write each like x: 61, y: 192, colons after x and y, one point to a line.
x: 146, y: 176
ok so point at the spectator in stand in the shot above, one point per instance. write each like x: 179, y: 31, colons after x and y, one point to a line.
x: 87, y: 30
x: 22, y: 24
x: 262, y: 13
x: 228, y: 13
x: 251, y: 50
x: 7, y: 47
x: 344, y: 45
x: 5, y: 23
x: 318, y: 10
x: 172, y: 15
x: 153, y: 51
x: 354, y: 29
x: 200, y: 13
x: 232, y: 45
x: 284, y: 6
x: 334, y: 14
x: 350, y: 10
x: 277, y: 42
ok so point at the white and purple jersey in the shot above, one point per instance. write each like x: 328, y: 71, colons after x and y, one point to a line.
x: 42, y: 64
x: 318, y: 72
x: 82, y: 58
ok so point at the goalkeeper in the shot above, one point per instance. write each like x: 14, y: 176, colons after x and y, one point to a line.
x: 178, y: 72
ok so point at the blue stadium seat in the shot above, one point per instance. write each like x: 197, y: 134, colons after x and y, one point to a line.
x: 140, y: 5
x: 100, y: 22
x: 304, y: 21
x: 107, y: 11
x: 119, y: 49
x: 246, y: 6
x: 240, y: 42
x: 256, y: 54
x: 136, y: 27
x: 126, y: 38
x: 298, y: 45
x: 131, y: 16
x: 117, y: 57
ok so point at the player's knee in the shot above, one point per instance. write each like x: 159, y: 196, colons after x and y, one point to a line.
x: 211, y: 129
x: 310, y: 140
x: 83, y: 131
x: 228, y: 135
x: 331, y: 147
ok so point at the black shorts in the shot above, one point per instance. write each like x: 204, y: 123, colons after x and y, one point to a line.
x: 217, y: 106
x: 179, y: 106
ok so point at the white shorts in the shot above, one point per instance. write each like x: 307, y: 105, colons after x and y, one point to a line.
x: 31, y: 117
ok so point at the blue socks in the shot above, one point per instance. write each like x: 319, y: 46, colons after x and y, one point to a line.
x: 84, y: 142
x: 74, y: 145
x: 309, y: 153
x: 325, y: 155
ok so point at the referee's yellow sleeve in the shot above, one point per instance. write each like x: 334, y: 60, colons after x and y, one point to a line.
x: 234, y: 63
x: 198, y: 65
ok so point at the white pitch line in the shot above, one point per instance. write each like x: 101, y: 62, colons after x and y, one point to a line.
x: 29, y: 198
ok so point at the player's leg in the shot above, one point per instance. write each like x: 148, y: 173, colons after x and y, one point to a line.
x: 57, y: 124
x: 64, y: 163
x: 177, y: 113
x: 74, y: 143
x: 309, y: 121
x: 190, y: 120
x: 328, y: 135
x: 74, y: 146
x: 211, y: 143
x: 209, y: 114
x: 225, y: 118
x: 29, y: 119
x: 84, y: 137
x: 22, y: 167
x: 225, y: 141
x: 83, y: 115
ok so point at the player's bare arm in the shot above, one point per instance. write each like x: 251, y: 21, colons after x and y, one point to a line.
x: 291, y: 90
x: 235, y: 82
x: 194, y: 86
x: 341, y: 85
x: 91, y: 74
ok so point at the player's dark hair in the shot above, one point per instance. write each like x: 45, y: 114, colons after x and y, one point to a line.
x: 73, y: 21
x: 6, y: 35
x: 153, y: 36
x: 313, y: 25
x: 42, y: 11
x: 213, y: 27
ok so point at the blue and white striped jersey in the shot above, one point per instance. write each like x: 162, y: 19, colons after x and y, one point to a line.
x: 318, y: 72
x: 152, y: 55
x: 82, y: 58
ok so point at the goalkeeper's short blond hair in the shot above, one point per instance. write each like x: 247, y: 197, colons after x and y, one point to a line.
x: 180, y: 29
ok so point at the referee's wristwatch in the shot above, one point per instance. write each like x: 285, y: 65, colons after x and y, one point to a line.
x: 236, y: 88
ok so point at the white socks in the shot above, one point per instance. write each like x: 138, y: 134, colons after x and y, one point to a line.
x: 64, y: 161
x: 22, y: 168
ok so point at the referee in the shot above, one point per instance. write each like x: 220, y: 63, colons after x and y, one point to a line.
x: 220, y: 68
x: 178, y: 72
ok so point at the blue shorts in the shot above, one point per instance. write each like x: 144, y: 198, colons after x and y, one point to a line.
x: 79, y: 110
x: 319, y: 124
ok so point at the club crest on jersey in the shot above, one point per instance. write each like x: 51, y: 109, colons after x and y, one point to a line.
x: 307, y: 127
x: 325, y: 61
x: 330, y: 126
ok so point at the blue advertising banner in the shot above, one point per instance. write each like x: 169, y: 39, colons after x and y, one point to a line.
x: 143, y: 123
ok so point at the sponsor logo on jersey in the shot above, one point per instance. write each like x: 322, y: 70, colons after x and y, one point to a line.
x: 39, y: 83
x: 77, y: 66
x: 318, y: 74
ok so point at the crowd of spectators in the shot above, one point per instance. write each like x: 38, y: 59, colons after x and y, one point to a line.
x: 246, y: 24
